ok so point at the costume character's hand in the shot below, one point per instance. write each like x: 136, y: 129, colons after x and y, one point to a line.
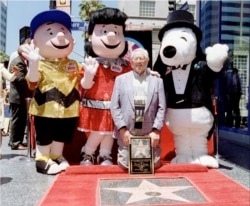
x: 154, y: 73
x: 216, y: 56
x: 31, y: 53
x: 90, y: 66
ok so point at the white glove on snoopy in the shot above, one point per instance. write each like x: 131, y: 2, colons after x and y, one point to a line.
x: 90, y: 66
x: 216, y: 56
x: 32, y: 55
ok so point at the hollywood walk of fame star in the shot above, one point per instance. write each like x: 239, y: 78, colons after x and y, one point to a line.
x: 147, y: 190
x: 140, y: 150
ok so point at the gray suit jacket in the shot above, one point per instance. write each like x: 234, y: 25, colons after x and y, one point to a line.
x: 19, y: 90
x: 123, y: 109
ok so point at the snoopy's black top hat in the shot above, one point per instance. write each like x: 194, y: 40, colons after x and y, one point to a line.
x: 180, y: 18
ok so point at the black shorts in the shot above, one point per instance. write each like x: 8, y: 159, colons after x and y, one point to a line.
x: 54, y: 129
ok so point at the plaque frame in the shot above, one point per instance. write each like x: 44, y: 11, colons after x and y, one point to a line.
x: 141, y: 159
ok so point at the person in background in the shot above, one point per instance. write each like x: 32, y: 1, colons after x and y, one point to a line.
x: 5, y: 96
x: 138, y: 107
x: 233, y: 94
x: 18, y: 94
x: 4, y: 75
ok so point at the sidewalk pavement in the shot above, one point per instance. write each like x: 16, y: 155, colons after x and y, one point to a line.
x: 21, y: 185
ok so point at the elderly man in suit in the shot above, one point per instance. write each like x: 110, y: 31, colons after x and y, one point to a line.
x: 138, y: 107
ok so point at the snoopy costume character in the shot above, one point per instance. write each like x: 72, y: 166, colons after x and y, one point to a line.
x: 188, y: 77
x: 55, y: 79
x: 106, y: 47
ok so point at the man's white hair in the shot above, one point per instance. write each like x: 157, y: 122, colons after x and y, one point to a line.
x: 141, y: 50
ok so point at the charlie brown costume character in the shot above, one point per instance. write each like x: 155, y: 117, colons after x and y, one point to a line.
x: 106, y: 48
x: 55, y: 79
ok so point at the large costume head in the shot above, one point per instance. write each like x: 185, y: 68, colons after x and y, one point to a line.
x: 51, y: 33
x: 180, y: 41
x: 106, y: 34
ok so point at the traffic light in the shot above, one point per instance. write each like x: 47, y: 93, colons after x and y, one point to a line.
x: 171, y: 5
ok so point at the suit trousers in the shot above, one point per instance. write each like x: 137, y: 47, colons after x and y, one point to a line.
x: 18, y: 123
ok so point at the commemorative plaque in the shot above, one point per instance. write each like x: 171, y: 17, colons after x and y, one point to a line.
x: 141, y: 156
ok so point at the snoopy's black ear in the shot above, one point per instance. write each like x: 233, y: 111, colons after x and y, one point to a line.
x: 159, y: 66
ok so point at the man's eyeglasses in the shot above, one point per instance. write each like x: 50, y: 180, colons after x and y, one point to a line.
x: 139, y: 59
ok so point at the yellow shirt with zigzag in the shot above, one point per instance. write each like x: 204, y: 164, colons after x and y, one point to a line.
x: 56, y: 93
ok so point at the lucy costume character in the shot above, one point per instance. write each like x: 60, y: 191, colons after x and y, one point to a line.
x: 106, y: 48
x: 55, y: 79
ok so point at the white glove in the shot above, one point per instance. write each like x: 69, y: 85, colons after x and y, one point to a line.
x: 32, y: 55
x: 153, y: 73
x: 90, y: 66
x: 216, y: 56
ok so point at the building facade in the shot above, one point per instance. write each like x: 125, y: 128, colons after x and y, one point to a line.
x: 146, y: 15
x: 3, y: 25
x: 228, y: 22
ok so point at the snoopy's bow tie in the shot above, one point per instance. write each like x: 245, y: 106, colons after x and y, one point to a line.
x: 179, y: 67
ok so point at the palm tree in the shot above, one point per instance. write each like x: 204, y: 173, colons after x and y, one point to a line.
x: 86, y: 8
x: 3, y: 57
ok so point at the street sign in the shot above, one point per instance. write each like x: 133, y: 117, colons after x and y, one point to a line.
x: 79, y: 26
x: 184, y: 6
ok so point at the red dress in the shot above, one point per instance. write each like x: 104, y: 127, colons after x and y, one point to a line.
x: 95, y: 112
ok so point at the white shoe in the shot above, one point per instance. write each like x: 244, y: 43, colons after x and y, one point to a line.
x: 105, y: 160
x: 62, y: 162
x: 86, y: 159
x: 48, y: 167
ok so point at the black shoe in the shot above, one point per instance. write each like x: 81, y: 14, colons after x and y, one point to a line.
x: 24, y: 144
x: 19, y: 147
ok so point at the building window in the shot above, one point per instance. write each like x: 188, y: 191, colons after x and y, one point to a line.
x: 147, y: 8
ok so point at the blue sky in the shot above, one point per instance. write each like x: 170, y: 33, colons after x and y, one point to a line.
x: 21, y: 12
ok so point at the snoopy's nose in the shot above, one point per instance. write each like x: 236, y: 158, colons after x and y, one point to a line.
x: 169, y: 51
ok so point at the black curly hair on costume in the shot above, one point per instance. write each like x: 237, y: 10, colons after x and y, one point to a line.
x: 106, y: 16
